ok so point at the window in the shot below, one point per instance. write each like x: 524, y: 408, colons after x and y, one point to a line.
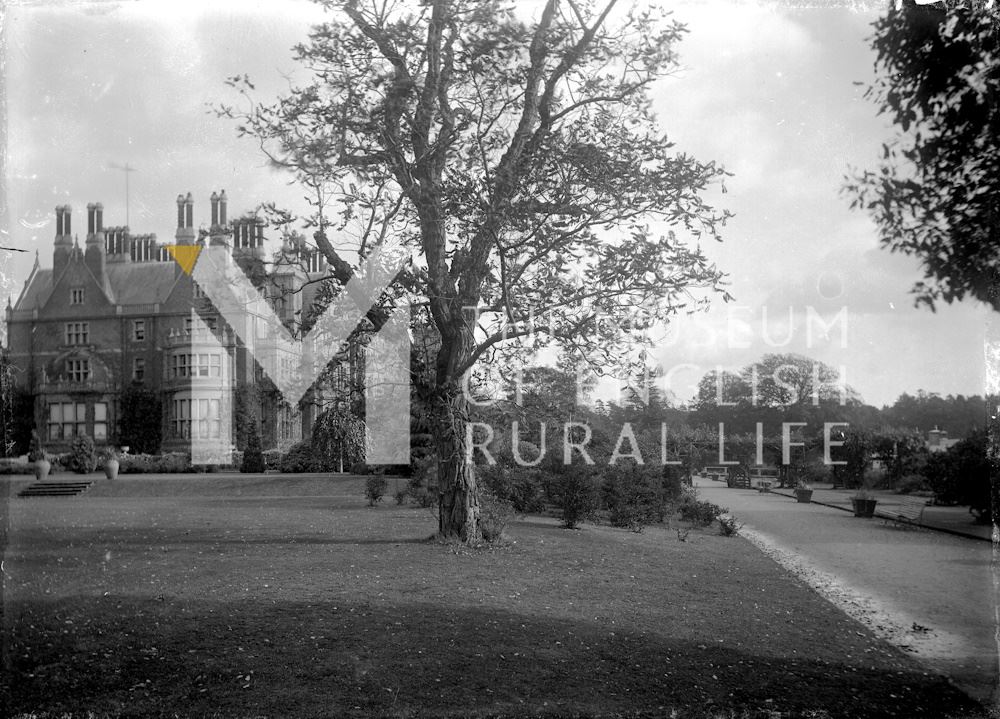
x: 196, y: 418
x: 138, y: 330
x: 188, y: 324
x: 76, y: 296
x: 77, y: 370
x: 100, y: 420
x: 77, y: 333
x: 195, y: 365
x: 68, y: 419
x: 138, y: 369
x: 199, y: 293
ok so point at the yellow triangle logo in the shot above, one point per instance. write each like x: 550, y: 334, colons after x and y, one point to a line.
x: 185, y: 255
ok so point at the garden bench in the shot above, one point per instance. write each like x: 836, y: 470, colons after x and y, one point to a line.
x: 717, y: 473
x: 909, y: 512
x: 763, y: 478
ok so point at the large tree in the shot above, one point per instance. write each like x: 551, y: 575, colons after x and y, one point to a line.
x: 520, y: 159
x: 936, y: 192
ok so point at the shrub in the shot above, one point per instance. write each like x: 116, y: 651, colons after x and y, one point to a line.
x: 494, y: 516
x: 172, y: 463
x: 911, y: 483
x: 253, y: 458
x: 634, y: 496
x: 961, y: 474
x: 83, y: 455
x: 673, y: 483
x: 401, y: 496
x: 575, y: 493
x: 299, y: 458
x: 359, y: 468
x: 422, y: 485
x: 375, y: 488
x: 698, y: 512
x: 521, y: 486
x: 728, y: 525
x: 272, y: 458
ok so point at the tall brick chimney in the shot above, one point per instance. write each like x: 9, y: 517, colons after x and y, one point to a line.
x: 63, y: 241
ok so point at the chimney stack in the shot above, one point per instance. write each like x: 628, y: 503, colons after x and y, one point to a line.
x: 185, y: 220
x: 94, y: 255
x: 63, y: 242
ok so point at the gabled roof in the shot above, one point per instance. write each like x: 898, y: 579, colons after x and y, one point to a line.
x: 141, y: 282
x: 129, y: 284
x: 36, y: 290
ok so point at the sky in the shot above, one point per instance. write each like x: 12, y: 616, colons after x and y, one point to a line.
x: 769, y: 90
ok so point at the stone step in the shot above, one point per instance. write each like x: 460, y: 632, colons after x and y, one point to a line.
x: 55, y: 489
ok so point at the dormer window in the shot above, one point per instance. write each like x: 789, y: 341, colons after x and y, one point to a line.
x: 76, y: 296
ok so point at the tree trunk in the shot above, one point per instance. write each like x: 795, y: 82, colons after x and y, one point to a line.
x: 458, y: 510
x: 458, y: 507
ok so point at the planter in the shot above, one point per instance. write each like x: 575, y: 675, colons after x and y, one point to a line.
x: 111, y: 469
x: 803, y: 495
x: 864, y: 507
x: 42, y: 468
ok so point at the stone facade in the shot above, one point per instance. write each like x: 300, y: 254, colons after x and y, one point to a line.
x: 120, y: 310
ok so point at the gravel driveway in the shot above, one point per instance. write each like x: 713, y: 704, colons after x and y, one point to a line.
x: 930, y: 593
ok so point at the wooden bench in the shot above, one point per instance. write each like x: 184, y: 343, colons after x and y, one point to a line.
x: 717, y: 473
x: 763, y: 478
x: 910, y: 512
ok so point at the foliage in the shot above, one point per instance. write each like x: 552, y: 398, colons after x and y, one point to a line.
x: 83, y: 454
x: 698, y: 512
x: 856, y: 453
x: 140, y: 427
x: 169, y: 463
x: 961, y: 474
x: 35, y: 451
x: 375, y: 488
x: 422, y: 485
x: 924, y: 411
x: 729, y: 526
x: 22, y: 420
x: 246, y: 403
x: 338, y: 440
x: 633, y: 495
x: 522, y: 487
x: 495, y: 515
x: 494, y: 147
x: 299, y: 458
x: 253, y: 457
x: 936, y: 191
x: 272, y: 458
x: 912, y: 483
x: 575, y: 493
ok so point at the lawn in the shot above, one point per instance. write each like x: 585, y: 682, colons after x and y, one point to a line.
x: 285, y: 596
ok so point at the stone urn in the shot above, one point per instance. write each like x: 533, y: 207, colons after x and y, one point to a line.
x: 42, y: 469
x: 111, y: 468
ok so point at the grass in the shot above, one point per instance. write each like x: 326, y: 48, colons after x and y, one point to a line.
x: 237, y: 596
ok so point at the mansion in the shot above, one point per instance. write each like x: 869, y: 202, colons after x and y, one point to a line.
x: 120, y: 312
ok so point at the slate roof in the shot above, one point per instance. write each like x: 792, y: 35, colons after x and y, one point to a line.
x: 36, y: 290
x: 129, y: 284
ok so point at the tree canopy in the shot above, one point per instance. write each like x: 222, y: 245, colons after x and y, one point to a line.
x: 936, y: 192
x: 519, y: 158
